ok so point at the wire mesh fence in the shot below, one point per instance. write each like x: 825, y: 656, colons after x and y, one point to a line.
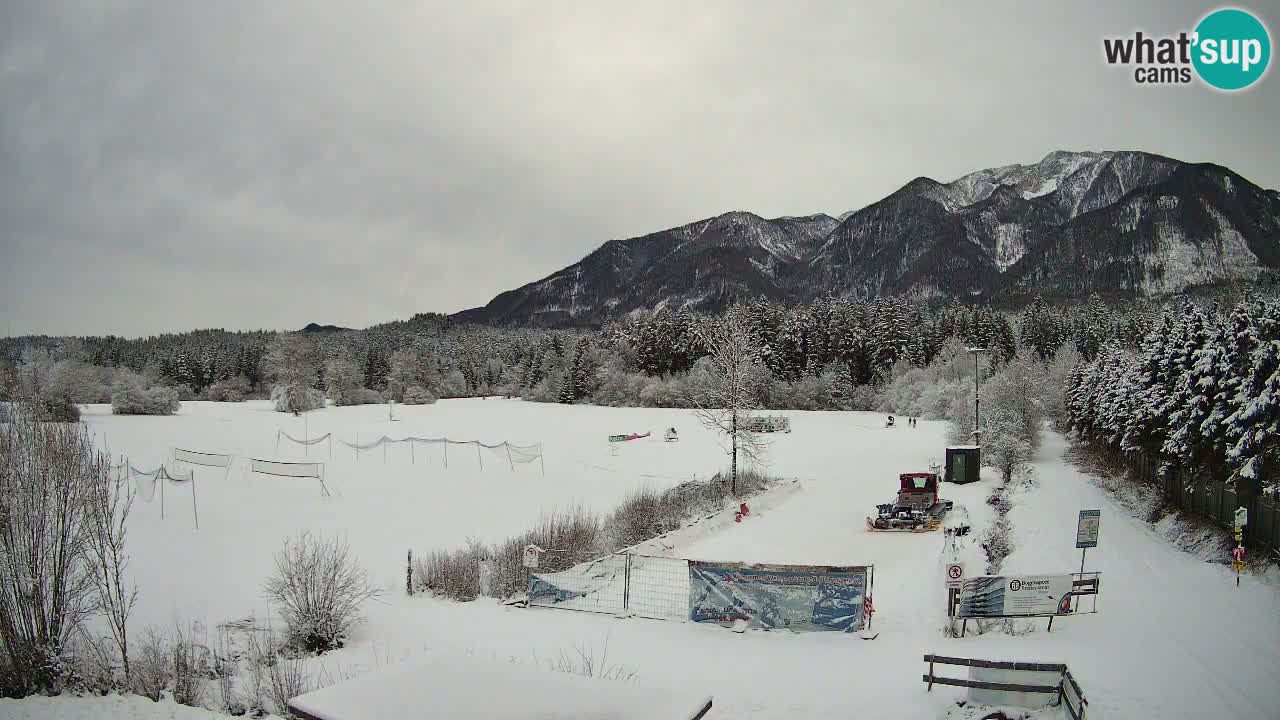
x: 434, y: 450
x: 623, y: 583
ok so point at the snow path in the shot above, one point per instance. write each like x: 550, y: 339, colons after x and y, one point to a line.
x: 1174, y: 637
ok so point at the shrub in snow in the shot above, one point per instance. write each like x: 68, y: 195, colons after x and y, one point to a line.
x: 131, y: 397
x: 455, y: 385
x: 318, y: 587
x: 55, y: 407
x: 79, y: 381
x: 366, y: 396
x: 342, y: 381
x: 234, y: 389
x: 418, y: 395
x: 296, y: 398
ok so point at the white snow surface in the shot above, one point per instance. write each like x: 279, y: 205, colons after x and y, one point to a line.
x: 461, y: 688
x: 68, y: 707
x: 1174, y: 637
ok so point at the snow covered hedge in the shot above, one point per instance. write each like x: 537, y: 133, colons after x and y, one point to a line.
x: 131, y: 397
x: 577, y: 537
x: 236, y: 389
x: 418, y: 395
x: 296, y: 398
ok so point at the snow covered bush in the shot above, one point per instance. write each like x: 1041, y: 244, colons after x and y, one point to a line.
x: 318, y: 587
x: 55, y: 407
x: 79, y: 381
x: 130, y: 397
x: 418, y: 395
x: 455, y: 385
x: 296, y: 398
x: 236, y: 389
x: 342, y: 381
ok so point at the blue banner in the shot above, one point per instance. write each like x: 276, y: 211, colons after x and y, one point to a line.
x: 791, y: 597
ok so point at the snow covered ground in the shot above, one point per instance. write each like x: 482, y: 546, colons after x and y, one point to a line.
x: 1174, y: 637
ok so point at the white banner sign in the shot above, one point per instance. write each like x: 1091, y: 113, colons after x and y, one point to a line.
x: 199, y: 458
x: 268, y: 467
x: 1014, y: 595
x: 1242, y: 517
x: 531, y: 556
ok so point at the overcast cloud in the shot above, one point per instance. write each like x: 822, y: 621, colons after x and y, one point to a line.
x: 172, y: 165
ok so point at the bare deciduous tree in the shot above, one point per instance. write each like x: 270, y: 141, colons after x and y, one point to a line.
x: 110, y: 500
x: 732, y: 391
x: 47, y: 472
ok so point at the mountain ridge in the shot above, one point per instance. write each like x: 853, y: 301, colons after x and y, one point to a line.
x: 1114, y: 222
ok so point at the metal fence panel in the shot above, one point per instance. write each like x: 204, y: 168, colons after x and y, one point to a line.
x: 658, y: 587
x: 596, y: 586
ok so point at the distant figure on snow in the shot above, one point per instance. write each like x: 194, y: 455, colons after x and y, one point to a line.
x: 889, y: 423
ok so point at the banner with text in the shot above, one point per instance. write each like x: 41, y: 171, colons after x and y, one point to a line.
x: 1015, y: 596
x: 792, y: 597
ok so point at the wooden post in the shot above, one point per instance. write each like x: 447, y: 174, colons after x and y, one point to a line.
x: 930, y: 674
x: 1050, y: 624
x: 964, y: 625
x: 195, y: 510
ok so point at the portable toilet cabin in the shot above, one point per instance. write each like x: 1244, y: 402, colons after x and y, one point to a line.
x: 963, y: 463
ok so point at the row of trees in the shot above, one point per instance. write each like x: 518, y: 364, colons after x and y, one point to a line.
x: 819, y: 355
x: 1201, y: 390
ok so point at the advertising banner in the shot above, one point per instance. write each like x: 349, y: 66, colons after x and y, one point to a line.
x: 1015, y: 596
x: 1087, y: 528
x: 792, y: 597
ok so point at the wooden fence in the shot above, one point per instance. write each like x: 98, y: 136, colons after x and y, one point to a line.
x: 1192, y: 493
x: 1068, y: 692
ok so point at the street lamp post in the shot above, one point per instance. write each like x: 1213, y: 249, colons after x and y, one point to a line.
x: 974, y: 351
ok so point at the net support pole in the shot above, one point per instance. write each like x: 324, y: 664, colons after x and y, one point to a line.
x: 541, y: 463
x: 412, y: 458
x: 160, y: 480
x: 384, y: 449
x: 357, y: 447
x: 446, y: 453
x: 330, y: 446
x: 278, y: 431
x: 478, y: 456
x: 509, y: 461
x: 195, y: 509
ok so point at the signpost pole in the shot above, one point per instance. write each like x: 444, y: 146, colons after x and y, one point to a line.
x: 1076, y: 600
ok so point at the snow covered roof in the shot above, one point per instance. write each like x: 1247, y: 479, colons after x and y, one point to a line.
x: 963, y: 447
x: 466, y: 688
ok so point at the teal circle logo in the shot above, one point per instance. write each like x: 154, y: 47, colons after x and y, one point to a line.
x: 1232, y: 49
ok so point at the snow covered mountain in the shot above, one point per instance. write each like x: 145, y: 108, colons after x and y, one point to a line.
x: 1124, y: 223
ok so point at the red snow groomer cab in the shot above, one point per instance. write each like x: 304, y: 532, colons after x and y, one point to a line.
x: 917, y: 508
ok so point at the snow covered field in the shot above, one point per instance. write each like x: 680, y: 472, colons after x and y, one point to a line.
x: 1174, y: 636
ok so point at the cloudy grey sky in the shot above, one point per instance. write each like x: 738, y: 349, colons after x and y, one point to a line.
x: 238, y: 164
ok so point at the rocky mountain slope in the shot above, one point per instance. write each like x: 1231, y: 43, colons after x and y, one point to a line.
x: 1119, y: 223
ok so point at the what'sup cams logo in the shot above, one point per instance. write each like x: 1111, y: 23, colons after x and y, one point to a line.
x: 1229, y: 49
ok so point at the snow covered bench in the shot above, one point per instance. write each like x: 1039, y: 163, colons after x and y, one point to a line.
x: 464, y: 688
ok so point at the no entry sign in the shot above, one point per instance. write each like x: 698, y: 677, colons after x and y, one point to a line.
x: 955, y: 574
